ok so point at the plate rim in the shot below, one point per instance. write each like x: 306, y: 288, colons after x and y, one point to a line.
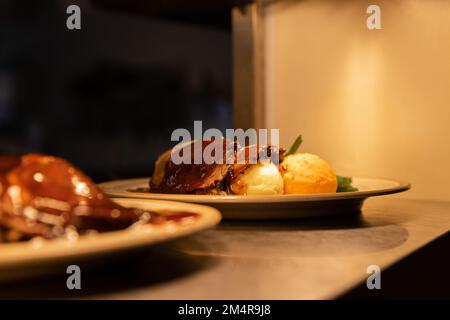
x: 243, y: 199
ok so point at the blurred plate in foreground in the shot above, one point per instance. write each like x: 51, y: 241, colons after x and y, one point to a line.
x: 39, y: 256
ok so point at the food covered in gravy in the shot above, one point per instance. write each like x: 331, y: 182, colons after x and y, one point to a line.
x: 199, y: 178
x: 48, y: 197
x: 243, y: 171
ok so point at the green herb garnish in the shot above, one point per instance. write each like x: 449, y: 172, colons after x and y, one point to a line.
x: 345, y: 184
x: 293, y: 149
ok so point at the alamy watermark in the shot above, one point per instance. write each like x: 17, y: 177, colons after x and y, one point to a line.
x: 222, y: 147
x: 73, y: 281
x: 73, y: 21
x: 374, y: 20
x: 374, y: 280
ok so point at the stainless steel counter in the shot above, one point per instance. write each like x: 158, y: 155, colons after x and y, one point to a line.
x: 296, y: 259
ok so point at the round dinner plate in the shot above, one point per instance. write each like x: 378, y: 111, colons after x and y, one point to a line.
x: 23, y: 259
x: 268, y: 206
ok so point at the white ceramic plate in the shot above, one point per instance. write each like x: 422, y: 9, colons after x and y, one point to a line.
x: 269, y: 207
x: 23, y: 259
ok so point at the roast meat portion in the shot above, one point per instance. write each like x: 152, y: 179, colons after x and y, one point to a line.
x: 207, y: 178
x: 189, y: 177
x: 47, y: 196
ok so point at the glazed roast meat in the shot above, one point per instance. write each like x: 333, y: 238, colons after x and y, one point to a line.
x: 189, y: 178
x: 47, y: 196
x: 203, y: 178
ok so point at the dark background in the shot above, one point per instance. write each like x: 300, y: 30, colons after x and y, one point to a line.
x: 107, y: 97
